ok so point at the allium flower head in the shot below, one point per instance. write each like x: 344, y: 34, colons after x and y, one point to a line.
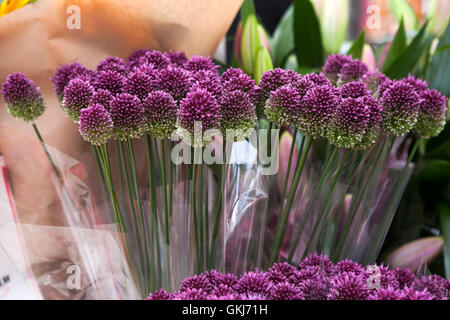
x: 174, y: 80
x: 404, y: 277
x: 352, y: 71
x: 103, y: 97
x: 200, y: 281
x: 218, y: 279
x: 133, y: 59
x: 232, y: 73
x: 316, y: 110
x: 198, y: 106
x: 139, y: 84
x: 159, y: 60
x: 283, y: 268
x: 315, y: 288
x: 412, y: 294
x: 238, y: 114
x: 431, y: 119
x: 254, y: 282
x: 387, y: 277
x: 160, y: 295
x: 65, y: 73
x: 112, y: 64
x: 22, y: 97
x: 400, y: 108
x: 286, y: 291
x: 208, y: 80
x: 161, y: 114
x: 434, y: 284
x: 388, y: 293
x: 354, y: 89
x: 349, y: 266
x: 191, y: 294
x: 128, y: 116
x: 373, y: 125
x: 348, y: 286
x: 283, y: 106
x: 111, y: 81
x: 303, y: 85
x: 197, y: 63
x: 418, y: 84
x: 177, y: 58
x: 318, y: 260
x: 96, y: 125
x: 318, y: 79
x: 333, y: 66
x: 374, y: 82
x: 235, y: 79
x: 77, y: 96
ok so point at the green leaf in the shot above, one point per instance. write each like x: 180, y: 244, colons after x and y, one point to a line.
x: 307, y: 36
x: 444, y: 210
x: 357, y: 47
x: 250, y: 43
x: 397, y: 47
x: 405, y: 62
x: 263, y: 63
x: 438, y: 75
x: 247, y: 8
x: 282, y: 43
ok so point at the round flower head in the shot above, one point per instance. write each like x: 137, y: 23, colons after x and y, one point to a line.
x: 412, y: 294
x: 161, y: 114
x: 373, y: 125
x: 208, y: 80
x: 418, y: 84
x: 318, y: 260
x: 400, y: 108
x: 386, y: 294
x: 284, y: 269
x: 159, y: 60
x: 238, y: 115
x: 349, y: 266
x: 348, y: 286
x: 177, y: 58
x: 303, y: 85
x: 431, y: 119
x: 282, y: 107
x: 197, y: 282
x: 354, y: 89
x: 318, y: 79
x: 231, y: 73
x: 434, y: 284
x: 333, y: 66
x: 254, y: 283
x: 128, y: 116
x: 352, y: 71
x: 191, y: 294
x: 174, y: 80
x: 112, y: 64
x: 404, y: 276
x: 316, y: 110
x: 197, y: 63
x: 160, y: 295
x: 349, y: 123
x: 286, y: 291
x: 374, y: 81
x: 219, y: 279
x: 102, y: 97
x: 198, y: 113
x: 139, y: 84
x: 235, y: 79
x: 111, y: 81
x: 133, y: 59
x: 96, y: 125
x: 272, y: 80
x: 22, y: 97
x: 77, y: 96
x: 65, y: 73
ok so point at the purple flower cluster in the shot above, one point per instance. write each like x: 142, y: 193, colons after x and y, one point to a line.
x: 315, y: 278
x: 156, y: 93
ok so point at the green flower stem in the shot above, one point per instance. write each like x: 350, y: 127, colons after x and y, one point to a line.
x: 47, y: 153
x: 101, y: 174
x: 200, y: 215
x: 288, y: 171
x: 311, y: 203
x: 194, y: 216
x: 392, y: 201
x: 121, y: 164
x: 285, y: 215
x: 164, y: 192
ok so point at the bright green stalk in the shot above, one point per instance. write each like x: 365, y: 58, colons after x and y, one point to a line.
x: 288, y: 171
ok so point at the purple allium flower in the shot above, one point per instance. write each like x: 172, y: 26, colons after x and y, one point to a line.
x: 354, y: 89
x: 412, y: 294
x: 255, y: 283
x: 431, y: 119
x: 283, y: 106
x: 111, y: 81
x: 198, y: 106
x: 22, y: 97
x: 318, y: 260
x: 200, y: 281
x: 147, y: 69
x: 112, y: 64
x: 317, y: 108
x: 272, y: 80
x: 177, y: 58
x: 404, y: 277
x: 238, y: 115
x: 159, y: 60
x: 96, y: 125
x: 103, y: 97
x: 222, y: 290
x: 348, y: 286
x: 375, y: 82
x: 349, y: 123
x: 283, y: 268
x: 303, y: 85
x: 352, y: 71
x: 65, y: 73
x: 286, y: 291
x: 197, y: 63
x: 208, y: 80
x: 235, y: 79
x: 128, y: 116
x: 77, y: 96
x: 349, y: 266
x: 161, y: 114
x: 191, y: 294
x: 373, y: 125
x: 231, y: 73
x: 388, y: 293
x: 218, y: 279
x: 386, y: 277
x: 315, y: 288
x: 333, y: 66
x: 133, y: 59
x: 435, y: 285
x: 418, y: 84
x: 139, y: 84
x: 174, y: 80
x: 400, y: 108
x: 160, y: 295
x: 318, y: 79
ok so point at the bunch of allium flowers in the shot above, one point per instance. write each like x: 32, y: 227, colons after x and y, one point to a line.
x: 315, y: 278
